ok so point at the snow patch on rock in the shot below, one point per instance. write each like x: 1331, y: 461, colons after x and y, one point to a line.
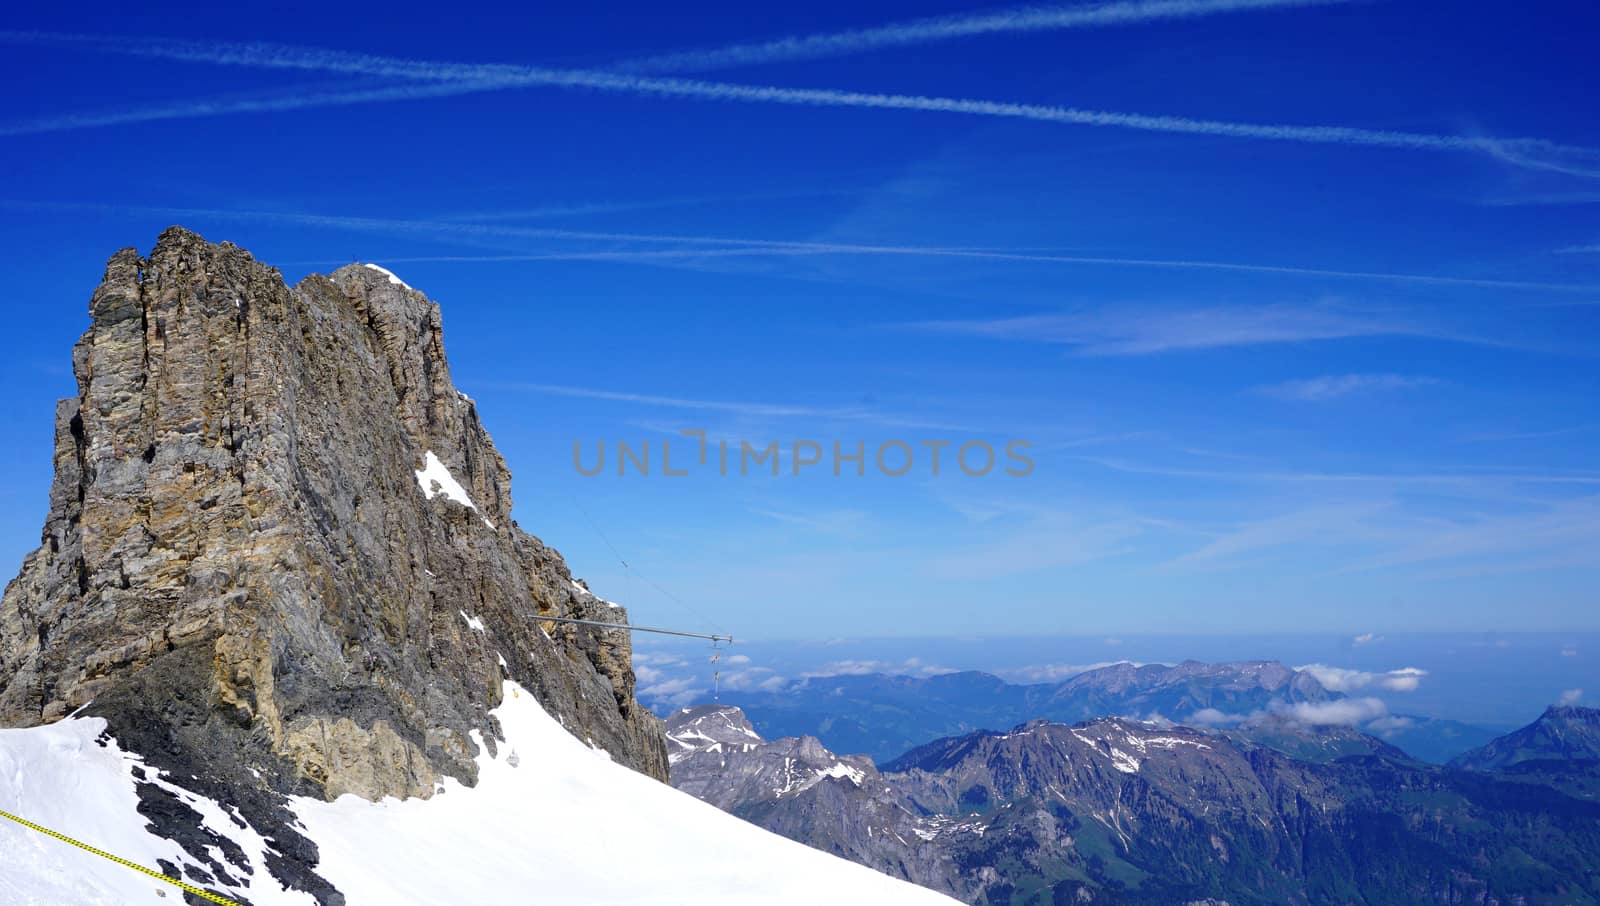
x: 843, y: 771
x: 435, y: 479
x: 388, y: 273
x: 1124, y: 762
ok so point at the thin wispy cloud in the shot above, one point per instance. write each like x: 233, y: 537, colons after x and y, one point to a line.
x: 731, y: 246
x: 846, y: 523
x: 647, y: 204
x: 282, y: 101
x: 947, y: 28
x: 744, y: 409
x: 1335, y: 386
x: 1517, y: 154
x: 1094, y: 440
x: 1328, y: 527
x: 1568, y: 527
x: 908, y: 667
x: 1529, y: 435
x: 1445, y: 479
x: 756, y: 410
x: 1050, y: 541
x: 1555, y: 199
x: 1394, y: 533
x: 1130, y: 332
x: 759, y: 248
x: 442, y: 78
x: 429, y: 228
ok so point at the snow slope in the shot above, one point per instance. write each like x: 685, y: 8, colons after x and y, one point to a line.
x: 550, y: 821
x: 59, y: 776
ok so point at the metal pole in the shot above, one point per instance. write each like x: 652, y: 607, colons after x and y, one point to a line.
x: 630, y: 628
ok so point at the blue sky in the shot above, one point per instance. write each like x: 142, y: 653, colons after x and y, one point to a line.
x: 1296, y: 302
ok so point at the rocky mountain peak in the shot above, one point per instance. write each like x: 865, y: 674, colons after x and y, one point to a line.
x: 279, y: 552
x: 1561, y: 733
x: 713, y: 747
x: 1575, y: 713
x: 708, y: 727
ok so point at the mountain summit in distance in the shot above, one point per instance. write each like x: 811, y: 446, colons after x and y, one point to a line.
x: 1113, y: 810
x: 1563, y: 733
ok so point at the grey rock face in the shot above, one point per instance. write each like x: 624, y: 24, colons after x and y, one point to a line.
x: 242, y: 571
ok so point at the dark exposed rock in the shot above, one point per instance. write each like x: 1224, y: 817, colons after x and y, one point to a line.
x: 242, y: 573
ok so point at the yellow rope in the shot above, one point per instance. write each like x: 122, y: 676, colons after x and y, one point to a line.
x: 207, y: 895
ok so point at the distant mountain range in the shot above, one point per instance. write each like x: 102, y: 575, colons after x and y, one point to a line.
x: 1564, y: 733
x: 884, y: 716
x: 1119, y: 811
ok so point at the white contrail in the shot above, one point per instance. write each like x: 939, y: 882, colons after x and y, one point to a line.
x: 460, y: 78
x: 432, y: 228
x: 945, y: 28
x: 799, y: 249
x: 806, y: 47
x: 614, y: 207
x: 724, y: 246
x: 234, y: 104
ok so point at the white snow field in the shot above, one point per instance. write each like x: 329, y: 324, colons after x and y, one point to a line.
x: 59, y: 777
x: 550, y: 821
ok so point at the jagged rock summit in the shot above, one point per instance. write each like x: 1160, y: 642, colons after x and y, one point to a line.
x: 279, y: 555
x: 718, y: 757
x: 1563, y: 733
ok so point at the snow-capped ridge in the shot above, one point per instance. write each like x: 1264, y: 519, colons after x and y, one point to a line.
x: 388, y: 273
x: 465, y: 844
